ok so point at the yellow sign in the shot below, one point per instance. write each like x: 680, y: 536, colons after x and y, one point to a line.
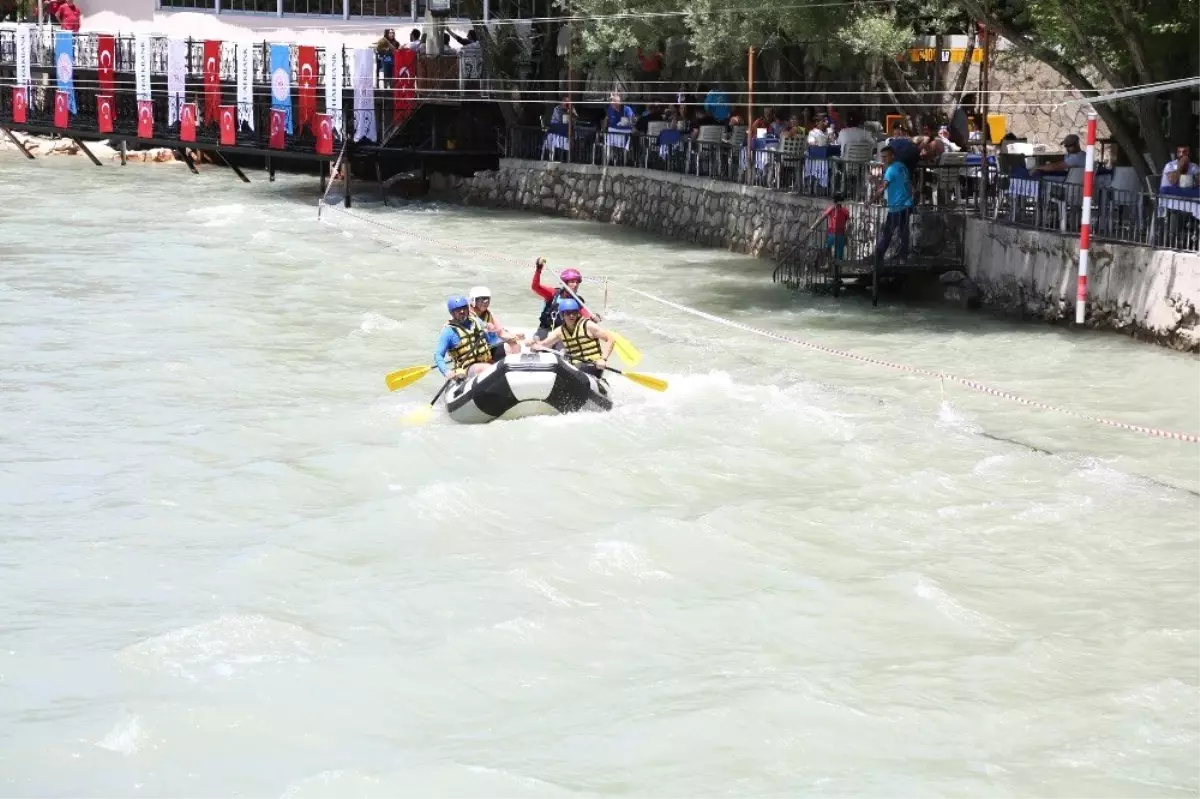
x: 953, y: 55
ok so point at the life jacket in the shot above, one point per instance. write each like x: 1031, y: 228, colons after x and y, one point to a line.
x: 472, y: 346
x: 580, y: 347
x: 486, y: 319
x: 550, y: 316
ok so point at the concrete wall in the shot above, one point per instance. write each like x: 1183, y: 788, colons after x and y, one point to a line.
x: 1151, y: 294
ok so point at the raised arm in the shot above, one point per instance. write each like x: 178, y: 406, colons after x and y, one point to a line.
x: 545, y: 292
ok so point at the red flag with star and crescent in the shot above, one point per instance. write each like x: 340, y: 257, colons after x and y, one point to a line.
x: 62, y: 110
x: 20, y: 100
x: 278, y: 126
x: 104, y: 113
x: 404, y: 88
x: 187, y: 122
x: 212, y: 80
x: 145, y: 119
x: 106, y: 54
x: 306, y: 66
x: 324, y: 123
x: 228, y: 117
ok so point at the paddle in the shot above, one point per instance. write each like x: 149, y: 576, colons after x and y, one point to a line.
x: 406, y: 377
x: 649, y: 381
x: 626, y: 351
x: 422, y: 415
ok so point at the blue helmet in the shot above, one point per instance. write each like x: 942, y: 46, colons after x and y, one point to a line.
x: 456, y: 302
x: 568, y: 305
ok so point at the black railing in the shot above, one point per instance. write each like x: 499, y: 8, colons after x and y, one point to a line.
x: 1156, y: 219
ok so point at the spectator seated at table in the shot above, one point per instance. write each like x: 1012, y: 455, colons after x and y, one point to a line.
x: 944, y: 137
x: 819, y: 135
x: 653, y: 113
x: 762, y: 121
x: 563, y: 112
x: 1181, y: 172
x: 1075, y: 157
x: 854, y: 137
x: 904, y: 149
x: 618, y: 116
x: 929, y: 147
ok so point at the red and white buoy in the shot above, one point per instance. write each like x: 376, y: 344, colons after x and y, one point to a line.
x: 1085, y: 223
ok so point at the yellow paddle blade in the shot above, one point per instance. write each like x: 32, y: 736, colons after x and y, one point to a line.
x: 419, y: 416
x: 406, y: 377
x: 649, y: 381
x: 626, y: 351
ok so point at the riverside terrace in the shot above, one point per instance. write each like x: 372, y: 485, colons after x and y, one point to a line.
x: 1123, y: 210
x: 227, y: 94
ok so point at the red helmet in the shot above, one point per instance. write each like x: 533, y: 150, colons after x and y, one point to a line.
x: 571, y: 274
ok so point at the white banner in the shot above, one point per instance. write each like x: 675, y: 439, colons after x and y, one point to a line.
x: 245, y: 84
x: 24, y: 49
x: 334, y: 80
x: 364, y: 94
x: 176, y: 77
x: 141, y: 65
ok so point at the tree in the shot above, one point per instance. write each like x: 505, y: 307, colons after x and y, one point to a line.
x: 1097, y: 45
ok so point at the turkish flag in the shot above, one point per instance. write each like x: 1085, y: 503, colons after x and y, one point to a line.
x: 104, y: 113
x: 324, y: 123
x: 62, y: 110
x: 212, y: 80
x: 278, y: 125
x: 228, y: 117
x: 106, y: 64
x: 20, y: 104
x: 187, y: 122
x: 145, y: 119
x: 404, y: 87
x: 306, y: 65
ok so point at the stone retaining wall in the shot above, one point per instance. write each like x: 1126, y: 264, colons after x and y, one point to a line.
x: 717, y: 213
x: 1148, y: 293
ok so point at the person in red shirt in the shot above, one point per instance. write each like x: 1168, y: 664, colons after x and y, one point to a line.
x: 550, y: 316
x: 68, y: 15
x: 836, y: 217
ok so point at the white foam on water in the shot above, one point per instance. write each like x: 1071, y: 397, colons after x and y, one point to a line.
x: 227, y: 647
x: 126, y: 736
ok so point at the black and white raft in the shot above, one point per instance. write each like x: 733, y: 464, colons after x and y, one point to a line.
x: 526, y: 384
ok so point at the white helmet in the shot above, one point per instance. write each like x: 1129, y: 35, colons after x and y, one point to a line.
x: 480, y: 291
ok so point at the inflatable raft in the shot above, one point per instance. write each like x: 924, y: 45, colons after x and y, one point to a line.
x: 526, y: 384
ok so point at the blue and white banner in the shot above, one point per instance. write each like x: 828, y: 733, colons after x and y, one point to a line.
x: 64, y: 61
x: 281, y: 81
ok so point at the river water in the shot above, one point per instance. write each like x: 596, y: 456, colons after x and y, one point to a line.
x: 226, y: 568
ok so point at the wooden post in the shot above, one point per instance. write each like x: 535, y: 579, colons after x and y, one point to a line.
x: 749, y: 121
x: 323, y: 168
x: 17, y: 141
x: 123, y: 155
x: 346, y: 171
x: 379, y: 180
x: 270, y: 170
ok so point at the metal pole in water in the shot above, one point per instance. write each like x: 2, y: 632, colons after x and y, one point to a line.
x: 1085, y: 221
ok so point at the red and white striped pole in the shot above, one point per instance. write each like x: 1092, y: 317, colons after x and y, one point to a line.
x: 1085, y: 223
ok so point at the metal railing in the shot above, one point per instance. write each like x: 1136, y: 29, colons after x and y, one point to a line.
x: 781, y: 170
x: 1049, y: 204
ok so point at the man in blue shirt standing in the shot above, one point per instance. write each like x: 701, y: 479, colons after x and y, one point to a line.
x: 899, y: 206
